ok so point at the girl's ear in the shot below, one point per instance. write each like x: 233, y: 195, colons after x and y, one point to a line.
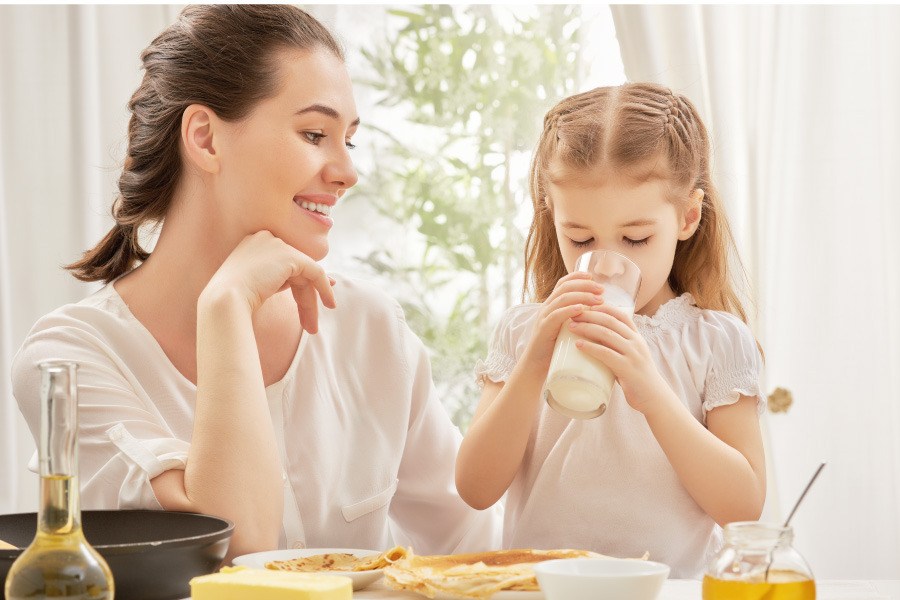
x: 198, y: 129
x: 690, y: 219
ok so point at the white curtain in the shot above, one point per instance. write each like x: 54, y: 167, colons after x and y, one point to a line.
x: 66, y: 73
x: 802, y: 104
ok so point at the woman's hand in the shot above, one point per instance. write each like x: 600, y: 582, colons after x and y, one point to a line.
x: 572, y: 295
x: 610, y: 336
x: 262, y: 265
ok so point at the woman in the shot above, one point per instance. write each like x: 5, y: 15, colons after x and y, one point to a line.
x: 210, y: 379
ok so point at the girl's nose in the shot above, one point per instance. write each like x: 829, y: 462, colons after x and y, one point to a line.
x: 609, y: 265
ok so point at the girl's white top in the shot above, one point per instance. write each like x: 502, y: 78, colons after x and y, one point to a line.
x: 367, y: 448
x: 604, y: 484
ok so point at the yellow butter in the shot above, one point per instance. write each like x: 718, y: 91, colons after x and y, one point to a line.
x: 240, y: 583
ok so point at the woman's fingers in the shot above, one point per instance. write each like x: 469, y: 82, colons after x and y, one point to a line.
x: 307, y: 307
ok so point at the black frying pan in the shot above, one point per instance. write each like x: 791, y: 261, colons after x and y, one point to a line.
x: 153, y: 554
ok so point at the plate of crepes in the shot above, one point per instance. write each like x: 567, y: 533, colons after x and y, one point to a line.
x: 363, y: 567
x: 498, y: 575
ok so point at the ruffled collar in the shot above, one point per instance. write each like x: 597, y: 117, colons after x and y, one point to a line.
x: 675, y: 312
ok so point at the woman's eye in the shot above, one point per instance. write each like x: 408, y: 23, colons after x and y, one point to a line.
x: 583, y: 243
x: 350, y: 145
x: 314, y: 137
x: 637, y: 242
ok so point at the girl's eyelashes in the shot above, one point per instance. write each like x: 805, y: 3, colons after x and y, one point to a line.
x: 350, y: 145
x: 632, y: 242
x: 581, y: 244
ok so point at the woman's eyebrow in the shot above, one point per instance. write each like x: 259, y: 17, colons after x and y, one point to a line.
x: 325, y: 110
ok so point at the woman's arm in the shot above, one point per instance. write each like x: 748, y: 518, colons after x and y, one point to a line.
x: 233, y: 468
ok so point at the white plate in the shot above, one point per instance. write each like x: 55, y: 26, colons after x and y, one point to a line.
x: 361, y: 579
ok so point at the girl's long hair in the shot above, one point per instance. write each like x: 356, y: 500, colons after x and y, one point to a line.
x: 641, y: 130
x: 219, y: 55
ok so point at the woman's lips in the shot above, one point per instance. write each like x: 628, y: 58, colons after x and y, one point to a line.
x: 315, y: 211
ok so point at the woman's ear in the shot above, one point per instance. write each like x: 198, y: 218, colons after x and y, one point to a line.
x: 690, y: 219
x: 198, y: 124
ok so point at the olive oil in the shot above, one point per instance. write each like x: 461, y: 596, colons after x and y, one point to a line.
x: 59, y: 563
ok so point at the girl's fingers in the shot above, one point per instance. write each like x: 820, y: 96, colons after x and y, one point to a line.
x: 608, y: 321
x: 572, y: 298
x: 607, y: 356
x: 601, y: 335
x: 553, y: 322
x: 618, y: 313
x: 576, y: 285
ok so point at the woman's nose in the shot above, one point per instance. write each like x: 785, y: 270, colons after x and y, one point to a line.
x: 340, y: 171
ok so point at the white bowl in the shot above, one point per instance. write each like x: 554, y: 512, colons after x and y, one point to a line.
x: 360, y: 579
x: 607, y: 578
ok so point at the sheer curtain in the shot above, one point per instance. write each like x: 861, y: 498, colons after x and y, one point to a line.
x: 801, y: 101
x: 66, y: 73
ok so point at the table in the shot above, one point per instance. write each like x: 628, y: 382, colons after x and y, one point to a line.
x: 689, y: 589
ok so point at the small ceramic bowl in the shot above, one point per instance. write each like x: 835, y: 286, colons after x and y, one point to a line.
x: 607, y: 578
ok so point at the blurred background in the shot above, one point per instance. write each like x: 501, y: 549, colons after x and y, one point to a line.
x: 801, y: 104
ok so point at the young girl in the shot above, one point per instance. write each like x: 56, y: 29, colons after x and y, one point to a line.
x: 678, y: 452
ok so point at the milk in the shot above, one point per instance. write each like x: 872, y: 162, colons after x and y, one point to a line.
x: 579, y: 385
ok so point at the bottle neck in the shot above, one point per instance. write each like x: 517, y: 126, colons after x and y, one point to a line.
x: 60, y: 509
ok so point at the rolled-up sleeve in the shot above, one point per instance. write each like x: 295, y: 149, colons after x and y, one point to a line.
x: 124, y: 442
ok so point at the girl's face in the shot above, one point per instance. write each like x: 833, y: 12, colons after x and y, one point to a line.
x: 634, y: 219
x: 284, y: 166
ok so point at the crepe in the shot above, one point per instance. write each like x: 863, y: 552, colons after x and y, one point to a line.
x: 473, y: 576
x: 339, y: 561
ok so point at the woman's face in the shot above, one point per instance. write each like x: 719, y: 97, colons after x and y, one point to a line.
x: 634, y: 219
x: 285, y: 166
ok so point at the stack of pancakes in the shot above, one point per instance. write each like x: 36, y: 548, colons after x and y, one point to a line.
x: 477, y: 575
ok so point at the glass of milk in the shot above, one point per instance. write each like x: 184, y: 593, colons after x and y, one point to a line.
x: 579, y: 385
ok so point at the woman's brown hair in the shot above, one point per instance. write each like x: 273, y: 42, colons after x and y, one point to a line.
x: 220, y: 56
x: 627, y: 129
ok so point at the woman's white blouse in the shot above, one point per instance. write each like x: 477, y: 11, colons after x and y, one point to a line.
x: 605, y: 484
x: 367, y: 448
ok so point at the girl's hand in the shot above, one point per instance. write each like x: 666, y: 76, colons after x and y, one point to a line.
x: 572, y: 295
x: 610, y: 336
x: 262, y: 265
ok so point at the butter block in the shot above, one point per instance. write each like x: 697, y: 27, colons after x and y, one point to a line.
x: 241, y: 583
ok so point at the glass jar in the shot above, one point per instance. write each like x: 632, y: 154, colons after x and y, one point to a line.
x: 758, y: 562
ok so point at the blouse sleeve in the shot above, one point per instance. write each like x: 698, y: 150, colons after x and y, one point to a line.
x: 123, y: 440
x: 507, y: 342
x: 427, y: 511
x: 734, y: 364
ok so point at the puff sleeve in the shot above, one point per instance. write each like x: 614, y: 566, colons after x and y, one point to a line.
x: 734, y: 363
x: 507, y: 344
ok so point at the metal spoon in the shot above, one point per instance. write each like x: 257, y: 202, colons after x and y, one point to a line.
x: 793, y: 510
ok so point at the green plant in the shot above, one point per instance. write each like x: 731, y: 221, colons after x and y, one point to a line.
x: 475, y: 83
